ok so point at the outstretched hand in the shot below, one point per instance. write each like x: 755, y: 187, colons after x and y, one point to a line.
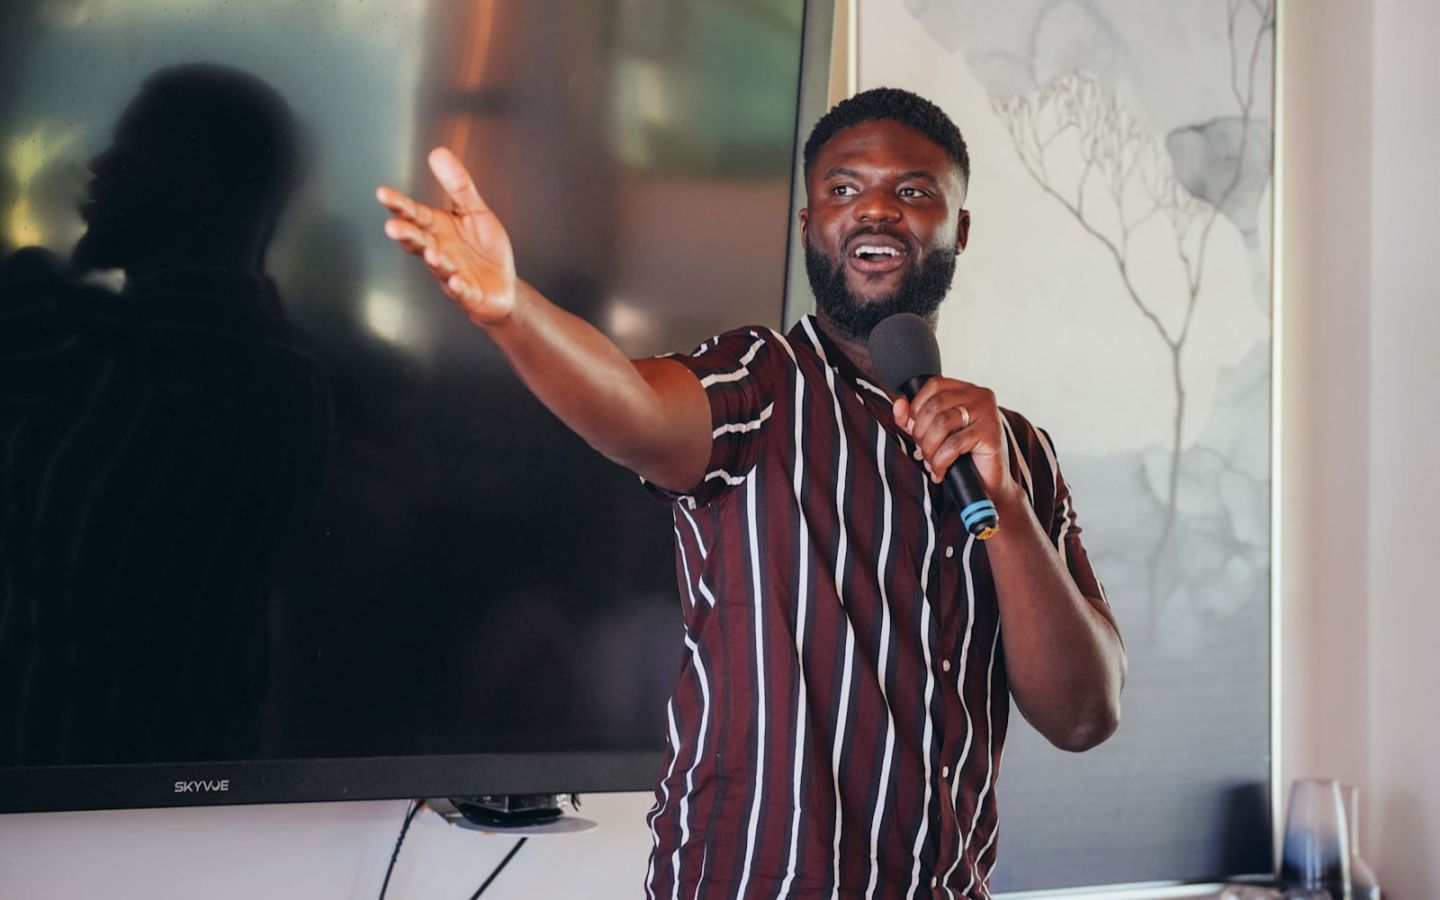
x: 465, y: 248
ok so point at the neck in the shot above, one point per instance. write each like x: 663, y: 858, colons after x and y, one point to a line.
x: 857, y: 350
x: 246, y: 258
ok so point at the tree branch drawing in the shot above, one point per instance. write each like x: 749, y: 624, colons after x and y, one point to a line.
x: 1089, y: 152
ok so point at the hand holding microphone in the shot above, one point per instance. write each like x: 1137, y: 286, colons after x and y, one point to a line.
x: 955, y: 424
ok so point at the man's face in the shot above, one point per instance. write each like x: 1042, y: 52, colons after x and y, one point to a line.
x: 882, y: 226
x: 133, y: 195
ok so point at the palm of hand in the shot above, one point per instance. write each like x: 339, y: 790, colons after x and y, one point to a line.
x: 479, y: 247
x: 466, y: 248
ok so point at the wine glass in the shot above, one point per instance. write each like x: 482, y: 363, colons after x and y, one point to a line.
x: 1317, y: 840
x: 1363, y: 885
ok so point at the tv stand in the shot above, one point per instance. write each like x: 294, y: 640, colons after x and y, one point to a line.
x: 521, y: 814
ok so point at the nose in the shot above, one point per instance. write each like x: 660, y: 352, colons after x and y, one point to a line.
x: 101, y: 161
x: 877, y: 206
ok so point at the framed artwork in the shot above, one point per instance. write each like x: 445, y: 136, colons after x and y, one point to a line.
x: 1116, y: 290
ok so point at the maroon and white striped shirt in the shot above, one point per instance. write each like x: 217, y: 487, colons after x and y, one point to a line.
x: 841, y: 710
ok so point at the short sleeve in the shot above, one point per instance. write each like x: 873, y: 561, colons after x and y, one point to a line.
x: 741, y: 372
x: 1064, y: 525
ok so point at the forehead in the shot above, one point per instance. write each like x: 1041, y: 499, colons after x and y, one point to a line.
x: 884, y: 144
x: 145, y: 114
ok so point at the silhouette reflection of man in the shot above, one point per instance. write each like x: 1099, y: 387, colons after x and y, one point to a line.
x: 163, y: 445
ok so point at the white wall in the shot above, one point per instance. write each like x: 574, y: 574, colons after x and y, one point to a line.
x: 1360, y: 419
x: 1360, y: 416
x: 323, y: 851
x: 1323, y: 266
x: 1404, y: 430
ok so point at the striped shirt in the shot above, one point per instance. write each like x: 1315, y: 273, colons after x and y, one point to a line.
x: 841, y: 708
x: 160, y: 451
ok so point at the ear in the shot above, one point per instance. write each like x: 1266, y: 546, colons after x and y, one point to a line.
x: 804, y: 224
x: 962, y: 232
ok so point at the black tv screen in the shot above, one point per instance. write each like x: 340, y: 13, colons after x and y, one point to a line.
x: 271, y: 510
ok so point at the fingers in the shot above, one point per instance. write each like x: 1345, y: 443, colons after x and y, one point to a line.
x: 441, y: 266
x: 421, y: 243
x: 930, y: 388
x: 471, y: 258
x: 945, y: 438
x: 409, y: 235
x: 464, y: 293
x: 900, y: 409
x: 457, y: 182
x: 404, y: 207
x: 945, y: 403
x: 949, y: 419
x: 951, y: 449
x: 459, y: 187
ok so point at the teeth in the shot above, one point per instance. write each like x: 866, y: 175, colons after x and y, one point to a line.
x: 873, y: 250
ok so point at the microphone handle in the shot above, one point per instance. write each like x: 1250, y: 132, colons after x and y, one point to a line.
x: 977, y: 511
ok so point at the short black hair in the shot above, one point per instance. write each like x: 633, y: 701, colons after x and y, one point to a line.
x: 910, y: 110
x: 227, y: 118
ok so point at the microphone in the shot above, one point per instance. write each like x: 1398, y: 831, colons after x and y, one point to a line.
x: 906, y: 356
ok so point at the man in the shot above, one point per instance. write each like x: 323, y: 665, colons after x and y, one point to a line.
x: 163, y: 444
x: 839, y: 719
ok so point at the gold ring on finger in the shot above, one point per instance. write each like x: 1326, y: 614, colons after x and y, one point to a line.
x: 964, y: 417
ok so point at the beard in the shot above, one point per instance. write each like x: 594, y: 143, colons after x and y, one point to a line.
x: 920, y: 292
x: 95, y: 250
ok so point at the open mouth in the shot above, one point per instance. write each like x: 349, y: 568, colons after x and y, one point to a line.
x: 875, y: 253
x: 90, y: 202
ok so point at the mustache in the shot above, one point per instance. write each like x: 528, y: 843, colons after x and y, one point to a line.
x: 883, y: 230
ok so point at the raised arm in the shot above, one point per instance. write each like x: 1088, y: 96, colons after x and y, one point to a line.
x: 650, y: 416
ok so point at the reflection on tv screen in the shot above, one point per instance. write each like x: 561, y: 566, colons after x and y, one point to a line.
x: 264, y: 494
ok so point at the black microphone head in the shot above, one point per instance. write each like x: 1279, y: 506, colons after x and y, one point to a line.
x: 903, y: 347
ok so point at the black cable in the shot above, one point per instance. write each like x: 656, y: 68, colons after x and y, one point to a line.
x: 503, y: 863
x: 395, y: 854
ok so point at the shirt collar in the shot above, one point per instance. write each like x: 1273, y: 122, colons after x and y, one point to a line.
x: 808, y: 330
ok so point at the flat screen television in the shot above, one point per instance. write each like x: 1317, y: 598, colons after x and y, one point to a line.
x: 272, y: 513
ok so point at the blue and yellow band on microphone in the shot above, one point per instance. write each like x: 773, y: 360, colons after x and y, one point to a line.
x: 981, y: 519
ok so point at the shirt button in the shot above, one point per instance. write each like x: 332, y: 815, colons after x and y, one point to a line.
x: 934, y: 881
x: 945, y: 665
x: 944, y: 771
x: 949, y: 552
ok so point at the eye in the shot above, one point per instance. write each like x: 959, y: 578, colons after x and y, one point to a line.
x: 911, y: 193
x: 843, y: 190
